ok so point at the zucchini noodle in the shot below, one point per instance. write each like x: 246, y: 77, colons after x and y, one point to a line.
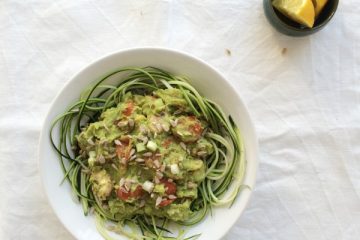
x: 224, y: 168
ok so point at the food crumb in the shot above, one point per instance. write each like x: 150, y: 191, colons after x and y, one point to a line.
x: 228, y: 52
x: 283, y: 51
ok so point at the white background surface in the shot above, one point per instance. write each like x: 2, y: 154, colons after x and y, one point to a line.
x: 304, y: 102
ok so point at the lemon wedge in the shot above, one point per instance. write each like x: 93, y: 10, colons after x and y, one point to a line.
x: 319, y: 5
x: 301, y: 11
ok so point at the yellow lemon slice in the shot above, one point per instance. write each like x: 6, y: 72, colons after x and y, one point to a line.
x: 319, y: 5
x: 301, y: 11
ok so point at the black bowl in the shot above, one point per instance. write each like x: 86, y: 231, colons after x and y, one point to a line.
x: 286, y: 26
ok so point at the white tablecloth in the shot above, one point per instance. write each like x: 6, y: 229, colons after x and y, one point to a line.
x: 303, y: 95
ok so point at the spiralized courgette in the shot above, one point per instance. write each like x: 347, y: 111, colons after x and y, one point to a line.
x: 225, y: 167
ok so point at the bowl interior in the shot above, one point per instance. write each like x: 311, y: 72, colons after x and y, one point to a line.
x: 208, y: 81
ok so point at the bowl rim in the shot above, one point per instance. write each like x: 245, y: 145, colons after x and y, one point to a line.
x: 303, y: 30
x: 251, y: 179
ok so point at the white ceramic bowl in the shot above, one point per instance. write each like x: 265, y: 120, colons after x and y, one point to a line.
x: 204, y: 78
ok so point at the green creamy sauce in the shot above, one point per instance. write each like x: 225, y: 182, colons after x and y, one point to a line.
x: 146, y: 156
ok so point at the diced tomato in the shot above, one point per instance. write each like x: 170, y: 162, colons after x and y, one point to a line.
x: 129, y: 109
x: 165, y: 202
x: 195, y: 125
x: 197, y: 129
x: 167, y: 143
x: 169, y: 186
x: 123, y: 150
x: 124, y: 195
x: 125, y: 140
x: 138, y: 192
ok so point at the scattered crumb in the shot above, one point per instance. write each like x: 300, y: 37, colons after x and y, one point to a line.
x: 228, y: 52
x: 283, y: 51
